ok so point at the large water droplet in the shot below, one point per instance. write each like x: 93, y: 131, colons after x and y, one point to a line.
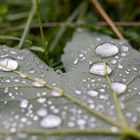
x: 99, y: 68
x: 92, y: 93
x: 118, y: 87
x: 8, y: 64
x: 51, y: 121
x: 106, y: 49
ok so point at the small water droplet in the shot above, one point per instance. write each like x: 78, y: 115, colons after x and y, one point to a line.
x: 104, y: 97
x: 51, y: 121
x: 124, y: 48
x: 114, y: 129
x: 24, y: 103
x: 98, y: 39
x: 71, y: 124
x: 42, y: 112
x: 6, y: 90
x: 39, y: 82
x: 118, y: 87
x: 8, y: 64
x: 81, y: 122
x: 41, y: 100
x: 123, y: 54
x: 55, y: 93
x: 92, y: 93
x: 106, y: 49
x: 102, y: 90
x: 98, y: 68
x: 78, y: 92
x: 120, y: 66
x: 114, y: 62
x: 75, y: 61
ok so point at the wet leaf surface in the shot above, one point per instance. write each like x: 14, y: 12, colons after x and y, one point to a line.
x: 36, y: 103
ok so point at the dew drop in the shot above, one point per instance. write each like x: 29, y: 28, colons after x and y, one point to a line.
x: 41, y: 100
x: 39, y: 82
x: 50, y: 121
x: 75, y: 61
x: 24, y: 103
x: 78, y: 92
x: 92, y: 93
x: 8, y: 64
x: 124, y: 48
x: 114, y: 62
x: 42, y: 112
x: 71, y: 124
x: 106, y: 50
x: 114, y: 129
x: 55, y: 93
x: 81, y: 122
x: 118, y: 87
x: 98, y: 68
x: 120, y: 66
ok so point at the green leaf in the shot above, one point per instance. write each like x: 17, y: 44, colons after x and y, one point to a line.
x: 38, y: 103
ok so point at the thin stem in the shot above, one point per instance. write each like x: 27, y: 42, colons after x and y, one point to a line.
x: 27, y: 26
x: 12, y: 86
x: 41, y: 30
x: 131, y: 132
x: 94, y: 112
x: 63, y: 132
x: 117, y: 103
x: 13, y: 38
x: 133, y: 79
x: 73, y: 24
x: 72, y: 132
x: 107, y: 18
x: 125, y: 134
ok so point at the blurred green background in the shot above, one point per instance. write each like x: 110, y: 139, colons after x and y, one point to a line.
x: 60, y: 18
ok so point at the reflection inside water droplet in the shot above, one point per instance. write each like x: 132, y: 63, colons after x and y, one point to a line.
x: 99, y: 68
x: 8, y: 64
x: 106, y: 49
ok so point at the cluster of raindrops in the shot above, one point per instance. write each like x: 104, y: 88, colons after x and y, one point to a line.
x: 23, y: 91
x: 28, y: 103
x: 109, y: 67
